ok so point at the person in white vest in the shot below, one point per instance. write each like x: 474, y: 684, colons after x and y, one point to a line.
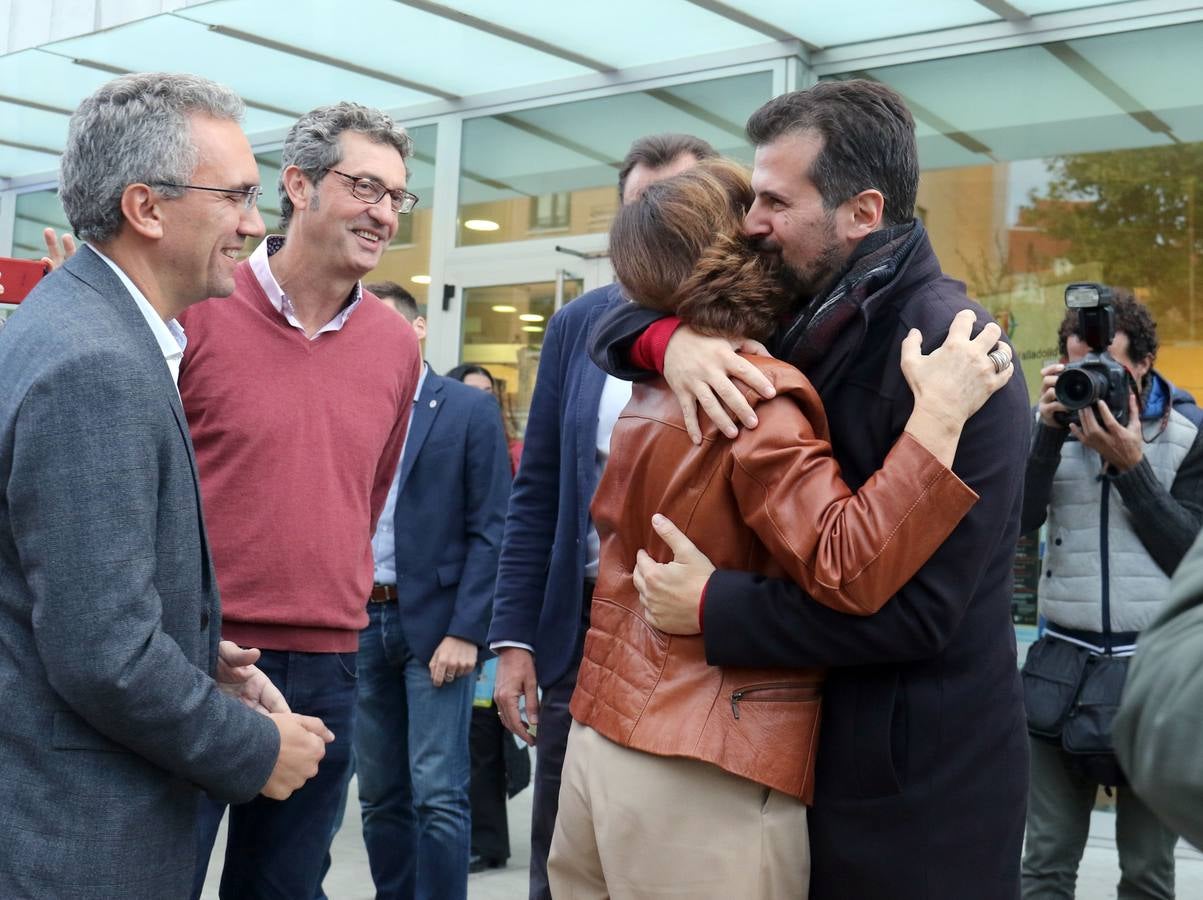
x: 1123, y: 503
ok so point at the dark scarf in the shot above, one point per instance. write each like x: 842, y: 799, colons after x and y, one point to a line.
x: 873, y: 265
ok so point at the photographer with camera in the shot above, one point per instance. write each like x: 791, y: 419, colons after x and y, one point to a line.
x: 1116, y: 468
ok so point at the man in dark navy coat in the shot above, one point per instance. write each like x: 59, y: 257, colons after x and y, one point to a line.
x: 549, y: 555
x: 435, y: 553
x: 921, y: 778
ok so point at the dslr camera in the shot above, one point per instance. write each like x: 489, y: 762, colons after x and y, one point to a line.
x: 1097, y: 376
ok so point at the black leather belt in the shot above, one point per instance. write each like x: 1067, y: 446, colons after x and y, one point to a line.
x: 383, y: 593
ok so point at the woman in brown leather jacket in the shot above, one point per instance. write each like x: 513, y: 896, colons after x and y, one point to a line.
x: 683, y: 779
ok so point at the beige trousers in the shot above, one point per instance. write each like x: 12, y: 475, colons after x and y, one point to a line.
x: 633, y: 825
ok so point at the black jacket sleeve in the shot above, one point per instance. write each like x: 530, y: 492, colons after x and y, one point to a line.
x: 1043, y: 459
x: 612, y: 337
x: 753, y: 620
x: 1167, y: 522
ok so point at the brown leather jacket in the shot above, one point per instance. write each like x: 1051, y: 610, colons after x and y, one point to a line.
x: 770, y: 501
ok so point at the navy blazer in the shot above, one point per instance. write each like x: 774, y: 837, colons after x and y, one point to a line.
x: 538, y: 600
x: 455, y: 480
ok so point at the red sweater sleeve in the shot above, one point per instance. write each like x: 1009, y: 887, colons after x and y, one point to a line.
x: 648, y: 350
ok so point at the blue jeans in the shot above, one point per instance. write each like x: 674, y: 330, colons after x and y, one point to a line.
x: 411, y: 759
x: 274, y: 849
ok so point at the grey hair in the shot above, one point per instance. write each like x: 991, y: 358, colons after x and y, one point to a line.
x: 312, y: 143
x: 134, y: 130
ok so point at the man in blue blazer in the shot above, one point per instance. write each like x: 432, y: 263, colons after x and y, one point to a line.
x: 549, y: 553
x: 435, y: 553
x: 109, y: 614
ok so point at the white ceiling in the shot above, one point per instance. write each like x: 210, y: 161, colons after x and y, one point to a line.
x: 288, y: 56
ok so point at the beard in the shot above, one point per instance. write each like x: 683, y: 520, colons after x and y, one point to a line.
x: 816, y: 277
x: 810, y: 279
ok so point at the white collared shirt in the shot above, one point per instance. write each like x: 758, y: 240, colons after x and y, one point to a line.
x: 169, y: 335
x: 384, y: 546
x: 280, y: 300
x: 615, y: 395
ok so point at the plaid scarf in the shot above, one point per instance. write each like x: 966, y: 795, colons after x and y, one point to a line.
x: 877, y: 261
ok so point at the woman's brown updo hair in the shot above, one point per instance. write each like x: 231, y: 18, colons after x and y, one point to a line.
x: 680, y: 248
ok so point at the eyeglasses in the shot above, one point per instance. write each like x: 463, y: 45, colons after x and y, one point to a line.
x: 370, y: 191
x: 250, y: 195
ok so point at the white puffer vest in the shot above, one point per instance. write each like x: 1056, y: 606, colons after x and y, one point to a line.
x: 1092, y: 545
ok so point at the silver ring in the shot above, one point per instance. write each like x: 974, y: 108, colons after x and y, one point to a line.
x: 448, y: 678
x: 1000, y: 359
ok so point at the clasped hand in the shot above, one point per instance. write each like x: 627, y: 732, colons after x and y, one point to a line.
x: 239, y: 677
x: 672, y: 592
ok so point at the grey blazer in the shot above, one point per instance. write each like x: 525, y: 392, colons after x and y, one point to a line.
x: 109, y: 612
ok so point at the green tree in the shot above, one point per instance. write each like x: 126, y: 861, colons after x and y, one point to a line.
x: 1136, y: 213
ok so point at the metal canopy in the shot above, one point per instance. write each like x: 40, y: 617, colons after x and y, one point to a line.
x: 420, y: 59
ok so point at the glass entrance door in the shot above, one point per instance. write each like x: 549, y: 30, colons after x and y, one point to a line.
x: 503, y: 330
x: 497, y: 306
x: 497, y: 303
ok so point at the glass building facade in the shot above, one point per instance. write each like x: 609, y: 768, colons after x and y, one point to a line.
x: 1069, y: 161
x: 1058, y: 141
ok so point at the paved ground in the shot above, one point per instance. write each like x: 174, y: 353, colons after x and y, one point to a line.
x: 349, y: 878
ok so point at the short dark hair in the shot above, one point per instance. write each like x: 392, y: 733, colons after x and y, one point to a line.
x: 1131, y: 317
x: 463, y: 370
x: 390, y: 290
x: 658, y: 150
x: 868, y: 141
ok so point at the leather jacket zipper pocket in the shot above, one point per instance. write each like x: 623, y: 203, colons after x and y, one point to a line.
x: 780, y: 692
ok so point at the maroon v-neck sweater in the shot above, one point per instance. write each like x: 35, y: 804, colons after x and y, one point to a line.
x: 296, y: 442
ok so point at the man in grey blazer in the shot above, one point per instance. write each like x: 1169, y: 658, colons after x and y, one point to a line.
x: 109, y: 614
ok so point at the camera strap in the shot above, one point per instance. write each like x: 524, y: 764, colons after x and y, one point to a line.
x: 1162, y: 424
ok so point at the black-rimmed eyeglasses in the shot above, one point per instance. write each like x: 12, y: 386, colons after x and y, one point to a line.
x: 370, y: 191
x: 249, y: 196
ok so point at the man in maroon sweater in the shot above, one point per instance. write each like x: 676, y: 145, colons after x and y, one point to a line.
x: 298, y: 390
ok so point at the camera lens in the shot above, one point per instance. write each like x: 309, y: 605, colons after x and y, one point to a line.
x: 1079, y: 388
